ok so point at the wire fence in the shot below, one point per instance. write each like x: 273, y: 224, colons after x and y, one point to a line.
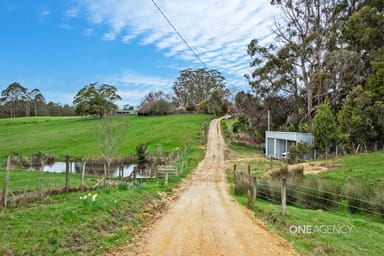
x: 19, y: 187
x: 354, y: 198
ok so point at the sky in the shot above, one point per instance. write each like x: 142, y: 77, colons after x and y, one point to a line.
x: 61, y: 46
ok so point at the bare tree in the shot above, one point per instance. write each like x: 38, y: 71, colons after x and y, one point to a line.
x: 108, y: 135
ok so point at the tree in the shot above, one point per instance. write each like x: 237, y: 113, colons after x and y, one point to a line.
x: 303, y: 35
x: 355, y: 119
x: 156, y: 103
x: 92, y: 100
x: 345, y: 70
x: 324, y: 128
x: 109, y: 136
x: 13, y: 94
x: 193, y: 86
x: 37, y: 97
x: 364, y: 32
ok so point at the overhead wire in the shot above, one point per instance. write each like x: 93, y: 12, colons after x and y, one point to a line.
x: 178, y: 33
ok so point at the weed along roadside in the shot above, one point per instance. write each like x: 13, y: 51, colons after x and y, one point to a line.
x: 109, y: 212
x: 316, y: 213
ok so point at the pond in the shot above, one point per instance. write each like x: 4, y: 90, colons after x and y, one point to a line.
x: 77, y: 167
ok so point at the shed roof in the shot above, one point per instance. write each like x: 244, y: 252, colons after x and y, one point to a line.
x: 291, y: 136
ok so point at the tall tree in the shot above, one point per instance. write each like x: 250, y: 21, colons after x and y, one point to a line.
x: 324, y: 128
x: 193, y: 86
x: 92, y: 100
x: 355, y: 119
x: 13, y: 95
x: 36, y: 97
x: 304, y: 30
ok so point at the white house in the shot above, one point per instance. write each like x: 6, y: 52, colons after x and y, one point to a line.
x: 278, y: 143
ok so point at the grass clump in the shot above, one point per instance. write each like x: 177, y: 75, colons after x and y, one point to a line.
x: 358, y: 197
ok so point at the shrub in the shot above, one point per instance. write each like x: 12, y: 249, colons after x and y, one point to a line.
x: 242, y: 184
x: 379, y: 202
x: 190, y: 107
x: 282, y: 172
x: 122, y: 186
x: 309, y: 194
x: 296, y: 175
x: 358, y: 197
x: 263, y: 189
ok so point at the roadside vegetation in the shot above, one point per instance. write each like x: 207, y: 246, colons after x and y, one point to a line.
x: 314, y: 200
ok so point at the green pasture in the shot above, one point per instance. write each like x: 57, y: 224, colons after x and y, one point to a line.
x: 77, y: 136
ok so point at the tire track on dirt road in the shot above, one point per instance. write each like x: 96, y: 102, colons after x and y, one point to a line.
x: 205, y: 220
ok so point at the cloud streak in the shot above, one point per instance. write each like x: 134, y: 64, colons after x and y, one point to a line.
x: 218, y: 31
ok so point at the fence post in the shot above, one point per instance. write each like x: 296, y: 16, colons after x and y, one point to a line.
x: 254, y: 189
x: 283, y: 196
x: 234, y: 174
x: 249, y: 169
x: 6, y: 181
x: 67, y: 170
x: 271, y: 163
x: 166, y: 179
x: 41, y: 194
x: 82, y: 175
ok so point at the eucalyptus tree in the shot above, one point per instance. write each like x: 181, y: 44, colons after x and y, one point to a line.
x: 93, y: 100
x: 194, y: 86
x: 13, y: 95
x: 302, y: 32
x: 37, y: 97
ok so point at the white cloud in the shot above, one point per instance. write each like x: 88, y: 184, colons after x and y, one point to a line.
x: 218, y: 31
x: 72, y: 12
x: 45, y: 12
x: 110, y: 36
x: 132, y: 87
x: 131, y: 79
x: 88, y: 32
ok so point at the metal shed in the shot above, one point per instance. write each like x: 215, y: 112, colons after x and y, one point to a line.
x: 277, y: 143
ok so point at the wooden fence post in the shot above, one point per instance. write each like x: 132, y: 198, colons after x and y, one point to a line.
x: 271, y: 163
x: 6, y: 181
x: 67, y: 170
x: 254, y: 189
x: 249, y: 169
x: 283, y: 196
x: 166, y: 179
x: 234, y: 174
x: 41, y: 194
x: 82, y: 175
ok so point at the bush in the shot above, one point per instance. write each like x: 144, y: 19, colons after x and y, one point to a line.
x: 242, y: 184
x: 358, y: 197
x: 190, y: 107
x: 282, y: 172
x: 379, y: 202
x: 263, y: 189
x: 122, y: 186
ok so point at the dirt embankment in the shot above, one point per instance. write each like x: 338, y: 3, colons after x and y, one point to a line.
x: 205, y: 220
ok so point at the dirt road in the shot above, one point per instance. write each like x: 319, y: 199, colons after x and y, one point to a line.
x: 205, y: 220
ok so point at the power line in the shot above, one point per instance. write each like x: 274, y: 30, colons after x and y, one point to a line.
x: 178, y: 33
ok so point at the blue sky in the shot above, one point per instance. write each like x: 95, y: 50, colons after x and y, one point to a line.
x: 61, y: 46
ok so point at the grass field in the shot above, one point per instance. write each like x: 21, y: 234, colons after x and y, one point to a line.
x: 76, y: 136
x: 365, y: 168
x: 67, y: 225
x: 367, y: 232
x: 332, y: 236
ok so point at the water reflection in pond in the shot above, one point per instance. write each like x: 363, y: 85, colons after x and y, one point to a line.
x: 90, y: 169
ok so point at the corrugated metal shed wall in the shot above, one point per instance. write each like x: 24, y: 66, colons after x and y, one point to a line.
x: 277, y: 143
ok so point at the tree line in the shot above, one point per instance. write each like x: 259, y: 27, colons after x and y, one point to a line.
x: 329, y: 54
x: 17, y: 101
